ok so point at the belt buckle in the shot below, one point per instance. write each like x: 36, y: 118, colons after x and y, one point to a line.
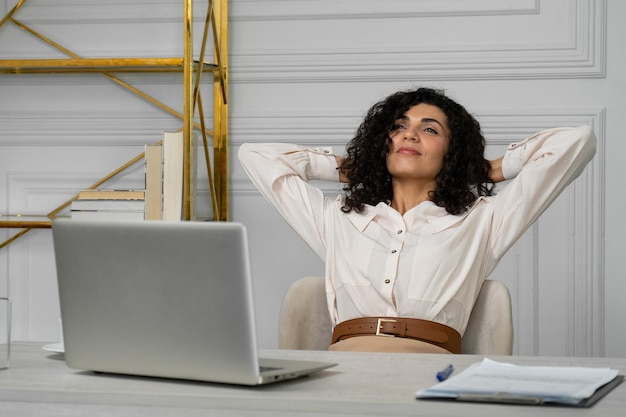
x: 379, y: 326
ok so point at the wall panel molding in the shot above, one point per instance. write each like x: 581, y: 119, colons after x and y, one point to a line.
x: 31, y: 268
x: 39, y: 191
x: 244, y: 10
x: 82, y: 129
x: 347, y: 54
x: 587, y: 319
x: 93, y: 28
x: 574, y: 49
x: 62, y: 12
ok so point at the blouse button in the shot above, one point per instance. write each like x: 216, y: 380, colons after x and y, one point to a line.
x: 387, y: 281
x: 394, y: 251
x: 400, y: 231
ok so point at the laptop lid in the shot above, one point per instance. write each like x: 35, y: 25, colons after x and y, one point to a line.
x: 163, y: 299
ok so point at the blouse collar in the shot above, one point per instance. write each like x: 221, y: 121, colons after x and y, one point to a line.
x: 437, y: 217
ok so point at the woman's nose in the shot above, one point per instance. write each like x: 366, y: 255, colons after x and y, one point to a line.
x: 410, y: 135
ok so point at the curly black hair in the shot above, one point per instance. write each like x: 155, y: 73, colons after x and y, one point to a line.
x: 465, y: 172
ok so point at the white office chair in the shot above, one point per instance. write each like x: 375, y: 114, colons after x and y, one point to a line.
x: 305, y: 324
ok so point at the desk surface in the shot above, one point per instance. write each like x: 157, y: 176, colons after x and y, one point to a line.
x: 40, y: 384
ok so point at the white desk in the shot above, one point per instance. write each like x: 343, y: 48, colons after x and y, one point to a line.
x: 40, y: 384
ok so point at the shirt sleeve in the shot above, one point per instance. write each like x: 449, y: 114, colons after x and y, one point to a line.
x: 539, y: 167
x: 282, y: 172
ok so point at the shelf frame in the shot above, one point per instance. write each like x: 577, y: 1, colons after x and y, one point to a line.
x: 218, y: 171
x: 96, y: 65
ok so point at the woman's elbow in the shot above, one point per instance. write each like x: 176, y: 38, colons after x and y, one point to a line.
x: 587, y: 140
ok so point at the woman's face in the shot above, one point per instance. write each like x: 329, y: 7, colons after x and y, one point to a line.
x: 419, y: 142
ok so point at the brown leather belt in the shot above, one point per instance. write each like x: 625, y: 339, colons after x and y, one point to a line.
x: 428, y: 331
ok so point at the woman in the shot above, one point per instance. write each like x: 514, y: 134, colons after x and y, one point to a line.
x: 418, y: 229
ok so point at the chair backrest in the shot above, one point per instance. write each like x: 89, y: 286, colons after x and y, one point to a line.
x: 304, y: 321
x: 305, y: 324
x: 490, y: 327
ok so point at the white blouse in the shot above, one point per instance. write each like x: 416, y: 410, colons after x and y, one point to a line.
x: 426, y: 263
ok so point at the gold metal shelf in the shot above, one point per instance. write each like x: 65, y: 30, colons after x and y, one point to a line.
x: 98, y: 65
x: 26, y: 221
x: 217, y: 22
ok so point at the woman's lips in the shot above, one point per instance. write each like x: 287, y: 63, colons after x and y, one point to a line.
x: 409, y: 151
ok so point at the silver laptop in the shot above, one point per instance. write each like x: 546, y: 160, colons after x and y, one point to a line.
x: 162, y: 299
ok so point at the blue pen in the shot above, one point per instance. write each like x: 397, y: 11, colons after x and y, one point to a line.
x: 443, y: 375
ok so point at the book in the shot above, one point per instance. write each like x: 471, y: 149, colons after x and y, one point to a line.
x: 193, y: 174
x: 494, y: 382
x: 154, y: 181
x: 111, y: 194
x: 108, y: 205
x: 173, y: 175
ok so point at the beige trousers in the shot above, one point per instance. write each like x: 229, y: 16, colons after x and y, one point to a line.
x: 385, y: 344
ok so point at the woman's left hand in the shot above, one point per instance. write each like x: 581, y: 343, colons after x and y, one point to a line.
x: 495, y: 174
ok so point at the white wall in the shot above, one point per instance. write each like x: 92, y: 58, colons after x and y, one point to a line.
x: 305, y: 72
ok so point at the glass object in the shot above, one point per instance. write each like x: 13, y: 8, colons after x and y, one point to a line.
x: 5, y: 347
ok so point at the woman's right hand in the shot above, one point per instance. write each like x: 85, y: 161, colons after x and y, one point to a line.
x: 342, y: 175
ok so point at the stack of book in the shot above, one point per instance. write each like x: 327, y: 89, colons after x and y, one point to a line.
x: 161, y: 199
x: 164, y: 178
x: 109, y: 205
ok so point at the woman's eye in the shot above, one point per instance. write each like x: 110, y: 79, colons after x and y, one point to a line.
x: 397, y: 126
x: 430, y: 130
